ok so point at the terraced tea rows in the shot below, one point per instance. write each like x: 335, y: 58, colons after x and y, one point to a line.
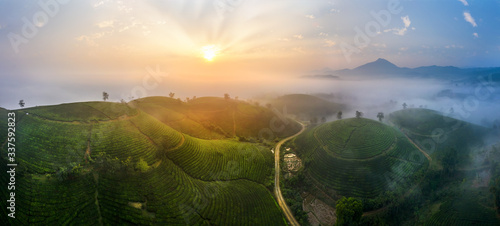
x: 463, y: 211
x: 434, y: 132
x: 362, y: 169
x: 86, y: 112
x: 91, y: 172
x: 355, y: 139
x: 222, y: 160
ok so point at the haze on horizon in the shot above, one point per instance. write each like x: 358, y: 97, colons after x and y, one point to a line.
x: 81, y: 48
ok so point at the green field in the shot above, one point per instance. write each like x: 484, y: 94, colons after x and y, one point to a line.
x: 113, y: 164
x: 359, y: 157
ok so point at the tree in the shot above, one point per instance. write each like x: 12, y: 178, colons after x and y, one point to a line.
x: 323, y: 119
x: 142, y: 165
x: 380, y: 116
x: 21, y: 103
x: 314, y: 120
x: 359, y: 114
x: 339, y: 115
x: 405, y: 105
x: 171, y: 95
x: 105, y: 96
x: 226, y: 96
x: 349, y: 211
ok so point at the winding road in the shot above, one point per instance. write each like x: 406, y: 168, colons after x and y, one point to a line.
x: 277, y: 190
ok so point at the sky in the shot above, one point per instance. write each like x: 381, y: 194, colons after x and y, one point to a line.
x: 64, y: 51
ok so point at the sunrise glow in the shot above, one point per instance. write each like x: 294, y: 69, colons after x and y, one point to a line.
x: 210, y: 52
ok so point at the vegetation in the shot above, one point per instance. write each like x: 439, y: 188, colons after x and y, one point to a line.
x: 218, y: 118
x: 435, y: 133
x: 112, y: 164
x: 359, y: 158
x: 349, y: 211
x: 306, y: 106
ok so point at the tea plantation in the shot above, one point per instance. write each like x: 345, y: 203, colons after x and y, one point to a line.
x: 111, y: 164
x: 359, y: 157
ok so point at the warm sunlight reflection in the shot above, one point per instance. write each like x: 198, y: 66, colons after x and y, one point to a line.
x: 210, y: 52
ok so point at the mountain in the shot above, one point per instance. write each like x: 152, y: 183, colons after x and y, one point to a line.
x: 382, y: 68
x: 379, y: 65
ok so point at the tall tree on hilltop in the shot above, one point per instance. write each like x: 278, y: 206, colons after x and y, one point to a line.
x: 105, y: 96
x: 380, y: 116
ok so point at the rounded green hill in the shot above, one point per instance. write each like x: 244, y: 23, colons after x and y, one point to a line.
x: 348, y: 138
x: 358, y: 157
x: 104, y: 163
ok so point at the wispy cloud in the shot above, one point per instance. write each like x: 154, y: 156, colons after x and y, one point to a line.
x: 333, y: 10
x: 298, y: 36
x: 475, y: 35
x: 469, y: 19
x: 105, y: 24
x: 402, y: 31
x: 310, y: 16
x: 464, y: 2
x: 329, y: 43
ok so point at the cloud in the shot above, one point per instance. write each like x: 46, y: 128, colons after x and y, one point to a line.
x: 310, y: 16
x: 90, y: 39
x: 106, y: 23
x: 329, y: 43
x: 402, y: 31
x: 469, y: 19
x: 453, y: 46
x: 475, y: 35
x: 333, y: 10
x: 298, y: 36
x: 464, y: 2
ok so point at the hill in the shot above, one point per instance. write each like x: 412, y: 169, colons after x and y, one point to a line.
x: 307, y: 106
x: 436, y: 133
x: 358, y: 157
x: 103, y: 163
x: 216, y: 118
x: 383, y: 68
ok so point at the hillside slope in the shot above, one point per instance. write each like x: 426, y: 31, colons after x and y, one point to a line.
x: 118, y: 165
x: 216, y: 118
x: 358, y: 157
x: 436, y: 133
x: 307, y: 106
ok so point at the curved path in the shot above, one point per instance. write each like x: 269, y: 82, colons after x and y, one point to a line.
x: 277, y: 190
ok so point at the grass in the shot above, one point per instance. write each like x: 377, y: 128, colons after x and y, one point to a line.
x: 382, y: 160
x: 80, y: 167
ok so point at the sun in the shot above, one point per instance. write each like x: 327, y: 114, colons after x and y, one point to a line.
x: 210, y: 52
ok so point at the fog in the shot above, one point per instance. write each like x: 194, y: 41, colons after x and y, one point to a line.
x: 477, y: 103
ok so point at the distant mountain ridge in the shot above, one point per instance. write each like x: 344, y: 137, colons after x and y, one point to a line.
x: 381, y: 68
